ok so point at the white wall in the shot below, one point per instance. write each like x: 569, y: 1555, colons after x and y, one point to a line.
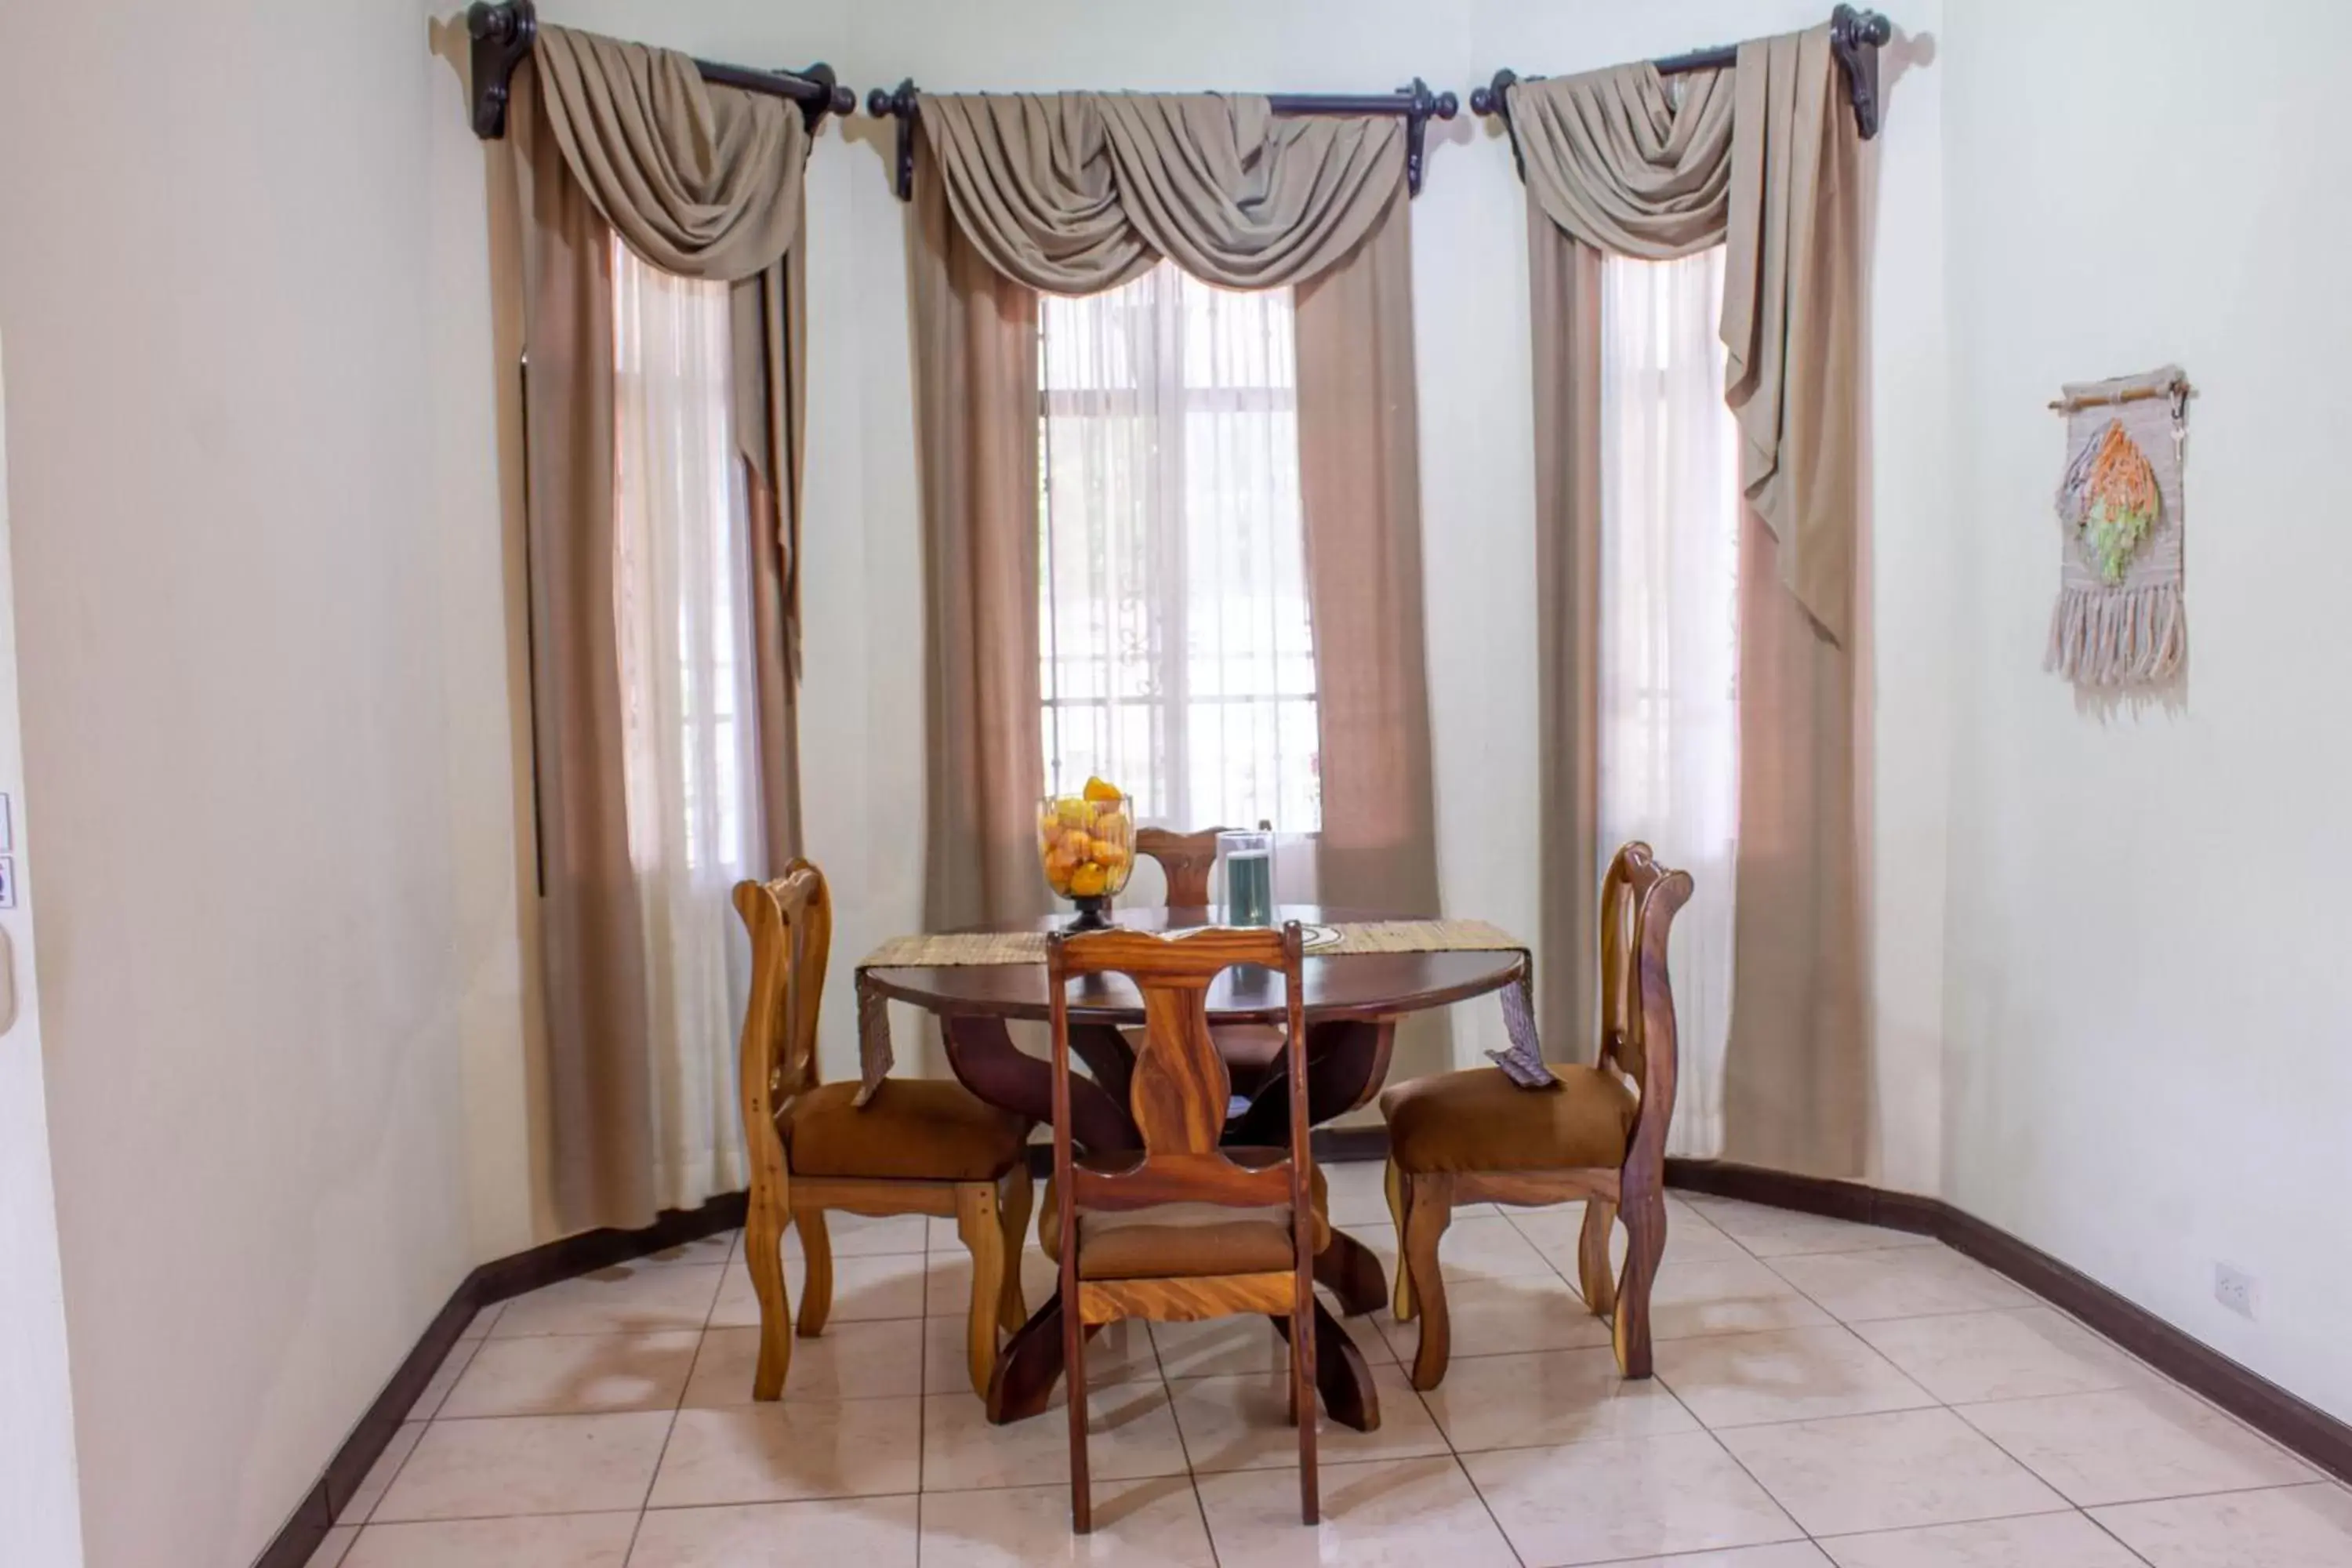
x: 40, y: 1516
x: 862, y: 713
x: 266, y: 920
x: 2146, y: 986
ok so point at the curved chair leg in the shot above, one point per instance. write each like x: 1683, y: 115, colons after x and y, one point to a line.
x: 1013, y: 1212
x: 1592, y: 1256
x: 1429, y: 1209
x: 1646, y: 1244
x: 763, y: 1253
x: 1399, y: 1206
x: 978, y: 1226
x: 817, y: 1263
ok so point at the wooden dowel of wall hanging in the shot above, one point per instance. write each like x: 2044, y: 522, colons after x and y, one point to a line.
x: 2137, y: 393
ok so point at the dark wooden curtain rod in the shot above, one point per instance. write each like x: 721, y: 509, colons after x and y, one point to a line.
x: 1854, y: 38
x: 1417, y: 103
x: 503, y: 35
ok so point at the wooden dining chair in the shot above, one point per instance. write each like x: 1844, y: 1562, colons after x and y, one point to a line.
x: 1600, y: 1134
x: 1186, y: 1229
x: 920, y: 1146
x: 1252, y: 1051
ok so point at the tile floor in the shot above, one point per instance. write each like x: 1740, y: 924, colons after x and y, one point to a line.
x: 1828, y: 1396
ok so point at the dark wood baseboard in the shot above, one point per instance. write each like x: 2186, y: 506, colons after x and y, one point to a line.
x: 2293, y: 1422
x: 492, y: 1282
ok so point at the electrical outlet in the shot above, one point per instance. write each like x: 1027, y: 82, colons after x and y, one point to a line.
x: 2237, y: 1289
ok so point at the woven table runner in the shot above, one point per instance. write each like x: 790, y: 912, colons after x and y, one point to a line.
x: 1522, y: 1063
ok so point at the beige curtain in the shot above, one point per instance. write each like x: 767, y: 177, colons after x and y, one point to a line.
x: 975, y: 341
x: 1763, y: 158
x: 1079, y: 193
x: 1564, y: 283
x: 1075, y: 193
x: 704, y: 183
x: 1616, y: 161
x: 1796, y: 1086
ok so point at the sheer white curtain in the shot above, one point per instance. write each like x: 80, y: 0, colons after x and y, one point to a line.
x: 1178, y: 658
x: 1670, y: 633
x: 682, y: 604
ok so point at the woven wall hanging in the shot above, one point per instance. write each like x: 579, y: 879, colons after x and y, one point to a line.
x: 2120, y: 621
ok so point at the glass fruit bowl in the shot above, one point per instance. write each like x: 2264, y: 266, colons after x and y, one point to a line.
x: 1086, y: 844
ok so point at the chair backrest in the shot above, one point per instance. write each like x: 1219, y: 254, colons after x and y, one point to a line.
x: 1639, y: 901
x: 1179, y: 1091
x: 791, y: 922
x: 1185, y: 859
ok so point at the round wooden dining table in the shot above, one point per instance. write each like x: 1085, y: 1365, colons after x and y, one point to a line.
x: 1352, y: 1004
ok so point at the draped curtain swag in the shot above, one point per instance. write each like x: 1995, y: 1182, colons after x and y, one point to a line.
x: 704, y: 182
x: 1756, y: 158
x: 1074, y: 194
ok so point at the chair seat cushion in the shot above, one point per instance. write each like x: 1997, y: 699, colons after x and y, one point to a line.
x: 914, y: 1130
x: 1477, y: 1120
x: 1172, y: 1241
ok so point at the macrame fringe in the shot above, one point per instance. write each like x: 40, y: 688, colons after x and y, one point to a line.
x: 2117, y: 637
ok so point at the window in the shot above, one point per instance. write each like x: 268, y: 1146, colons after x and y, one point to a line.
x: 1670, y: 520
x: 1178, y: 659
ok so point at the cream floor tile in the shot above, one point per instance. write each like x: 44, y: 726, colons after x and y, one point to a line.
x: 868, y: 1236
x: 1785, y: 1233
x: 1358, y: 1192
x: 1230, y: 1347
x: 1399, y: 1513
x: 1899, y: 1282
x: 2130, y: 1444
x: 1505, y: 1317
x: 561, y: 1374
x: 632, y: 1298
x: 791, y: 1451
x: 1912, y: 1468
x: 2290, y: 1527
x: 1132, y: 1433
x: 1120, y: 1353
x: 716, y: 1248
x: 864, y: 1289
x: 2040, y: 1541
x: 1150, y: 1523
x: 1243, y: 1423
x: 940, y: 1234
x: 1549, y: 1398
x: 1787, y: 1555
x: 1728, y: 1296
x: 445, y: 1378
x: 869, y: 1532
x: 332, y: 1550
x: 1600, y: 1502
x: 529, y: 1464
x: 480, y: 1326
x: 1489, y: 1247
x: 1967, y: 1357
x: 1787, y: 1375
x: 378, y: 1481
x: 878, y: 1360
x: 557, y: 1540
x: 1557, y: 1233
x: 947, y: 1289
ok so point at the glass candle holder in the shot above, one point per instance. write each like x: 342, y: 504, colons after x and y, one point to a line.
x: 1248, y: 860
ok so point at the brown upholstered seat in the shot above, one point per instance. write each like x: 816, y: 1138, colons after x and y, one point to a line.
x: 1477, y: 1120
x: 1169, y: 1241
x: 922, y: 1130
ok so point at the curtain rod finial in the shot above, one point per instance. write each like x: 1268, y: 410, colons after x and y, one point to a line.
x: 1490, y: 99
